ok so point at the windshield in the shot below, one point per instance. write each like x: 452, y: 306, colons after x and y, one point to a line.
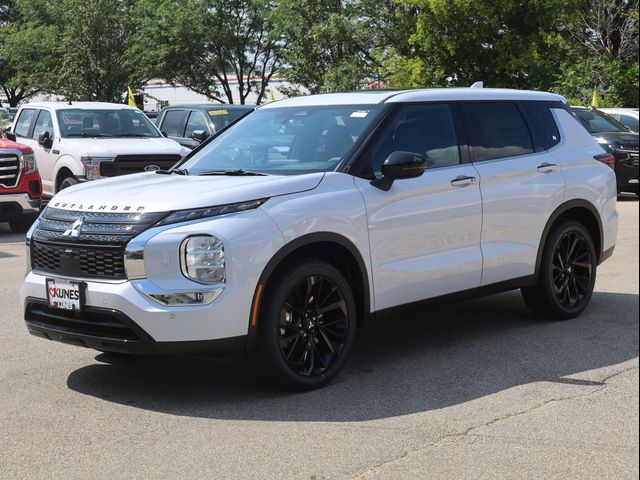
x: 75, y: 122
x: 221, y: 117
x: 596, y: 122
x: 286, y: 141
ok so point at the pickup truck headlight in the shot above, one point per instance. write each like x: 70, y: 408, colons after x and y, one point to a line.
x: 29, y: 164
x: 92, y: 166
x: 202, y: 259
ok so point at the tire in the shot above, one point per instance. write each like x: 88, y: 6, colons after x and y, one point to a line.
x: 68, y: 182
x: 567, y: 274
x: 23, y: 223
x: 304, y: 348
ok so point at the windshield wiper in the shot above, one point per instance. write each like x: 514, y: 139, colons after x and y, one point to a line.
x: 177, y: 171
x: 89, y: 135
x: 237, y: 173
x: 133, y: 135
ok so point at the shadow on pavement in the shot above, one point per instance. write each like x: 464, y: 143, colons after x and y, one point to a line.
x: 411, y: 364
x: 6, y: 236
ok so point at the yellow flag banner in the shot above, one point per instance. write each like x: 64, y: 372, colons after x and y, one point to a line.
x: 130, y: 98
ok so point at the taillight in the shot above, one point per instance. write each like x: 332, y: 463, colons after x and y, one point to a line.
x: 606, y: 158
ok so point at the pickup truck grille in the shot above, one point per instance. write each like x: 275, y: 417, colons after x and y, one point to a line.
x: 124, y: 164
x: 86, y: 244
x: 9, y: 169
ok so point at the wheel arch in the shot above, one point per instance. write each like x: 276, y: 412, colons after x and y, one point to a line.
x: 582, y: 211
x: 329, y: 246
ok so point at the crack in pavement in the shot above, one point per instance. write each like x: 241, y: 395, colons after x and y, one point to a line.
x: 373, y: 469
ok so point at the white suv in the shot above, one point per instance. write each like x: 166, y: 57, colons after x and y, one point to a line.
x: 315, y: 214
x: 76, y: 141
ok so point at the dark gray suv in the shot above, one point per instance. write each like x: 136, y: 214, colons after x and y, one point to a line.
x: 189, y: 125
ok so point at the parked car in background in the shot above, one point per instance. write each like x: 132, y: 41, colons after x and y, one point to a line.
x: 615, y: 138
x: 20, y: 187
x: 315, y: 214
x: 79, y: 141
x: 626, y: 116
x: 5, y: 116
x: 190, y: 125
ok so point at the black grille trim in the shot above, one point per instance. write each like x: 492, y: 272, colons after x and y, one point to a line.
x: 125, y: 164
x: 91, y: 321
x: 104, y: 228
x: 86, y: 261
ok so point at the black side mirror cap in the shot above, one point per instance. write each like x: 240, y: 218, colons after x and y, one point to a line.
x: 10, y: 135
x: 398, y: 166
x: 200, y: 135
x: 45, y: 140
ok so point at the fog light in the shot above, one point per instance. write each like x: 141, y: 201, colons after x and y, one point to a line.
x: 186, y: 298
x: 202, y: 259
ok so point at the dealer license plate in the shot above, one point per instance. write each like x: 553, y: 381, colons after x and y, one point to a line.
x: 64, y: 294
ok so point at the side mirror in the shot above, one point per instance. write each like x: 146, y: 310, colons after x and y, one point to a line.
x: 45, y: 140
x: 164, y: 134
x: 10, y: 135
x: 398, y: 166
x: 199, y: 135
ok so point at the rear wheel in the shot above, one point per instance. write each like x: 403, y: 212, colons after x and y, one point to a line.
x: 307, y: 325
x: 567, y: 274
x: 67, y: 182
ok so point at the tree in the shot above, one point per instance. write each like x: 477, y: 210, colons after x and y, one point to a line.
x: 211, y: 45
x: 505, y: 43
x: 604, y: 35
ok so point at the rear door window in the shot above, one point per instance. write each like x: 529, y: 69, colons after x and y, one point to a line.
x: 499, y: 130
x: 24, y: 122
x: 629, y: 121
x: 173, y: 123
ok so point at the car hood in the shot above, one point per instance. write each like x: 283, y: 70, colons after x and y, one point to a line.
x: 152, y: 192
x: 618, y: 139
x: 111, y: 147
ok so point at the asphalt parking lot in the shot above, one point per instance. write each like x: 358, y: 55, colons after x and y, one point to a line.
x: 475, y: 390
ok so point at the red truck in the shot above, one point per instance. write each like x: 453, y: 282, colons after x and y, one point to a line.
x: 20, y: 185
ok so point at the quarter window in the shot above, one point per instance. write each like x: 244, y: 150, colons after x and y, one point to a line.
x: 24, y: 122
x: 499, y: 130
x: 43, y: 124
x: 173, y: 123
x: 427, y: 130
x: 542, y: 118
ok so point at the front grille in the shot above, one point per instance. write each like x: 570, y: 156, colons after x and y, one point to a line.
x: 95, y: 228
x: 79, y: 260
x: 86, y: 244
x: 124, y: 164
x: 9, y: 169
x: 94, y: 322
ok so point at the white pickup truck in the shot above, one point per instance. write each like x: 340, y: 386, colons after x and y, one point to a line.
x: 79, y: 141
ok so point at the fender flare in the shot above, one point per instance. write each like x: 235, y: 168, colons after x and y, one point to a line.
x: 284, y: 252
x: 557, y: 213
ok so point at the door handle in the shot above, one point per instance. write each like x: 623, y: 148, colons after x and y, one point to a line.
x: 463, y: 181
x: 547, y: 167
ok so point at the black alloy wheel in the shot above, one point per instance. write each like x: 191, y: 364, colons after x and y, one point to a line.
x: 306, y: 324
x: 572, y: 267
x: 314, y: 325
x: 567, y: 274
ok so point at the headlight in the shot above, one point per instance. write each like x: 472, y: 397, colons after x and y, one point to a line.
x: 29, y: 164
x: 202, y: 259
x: 92, y: 166
x: 199, y: 213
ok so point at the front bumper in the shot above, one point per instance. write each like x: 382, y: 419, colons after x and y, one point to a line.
x: 112, y: 331
x: 16, y: 204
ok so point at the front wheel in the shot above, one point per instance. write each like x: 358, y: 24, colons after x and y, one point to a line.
x: 306, y: 326
x: 567, y: 274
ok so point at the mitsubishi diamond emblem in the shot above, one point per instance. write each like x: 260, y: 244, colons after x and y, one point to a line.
x: 75, y: 229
